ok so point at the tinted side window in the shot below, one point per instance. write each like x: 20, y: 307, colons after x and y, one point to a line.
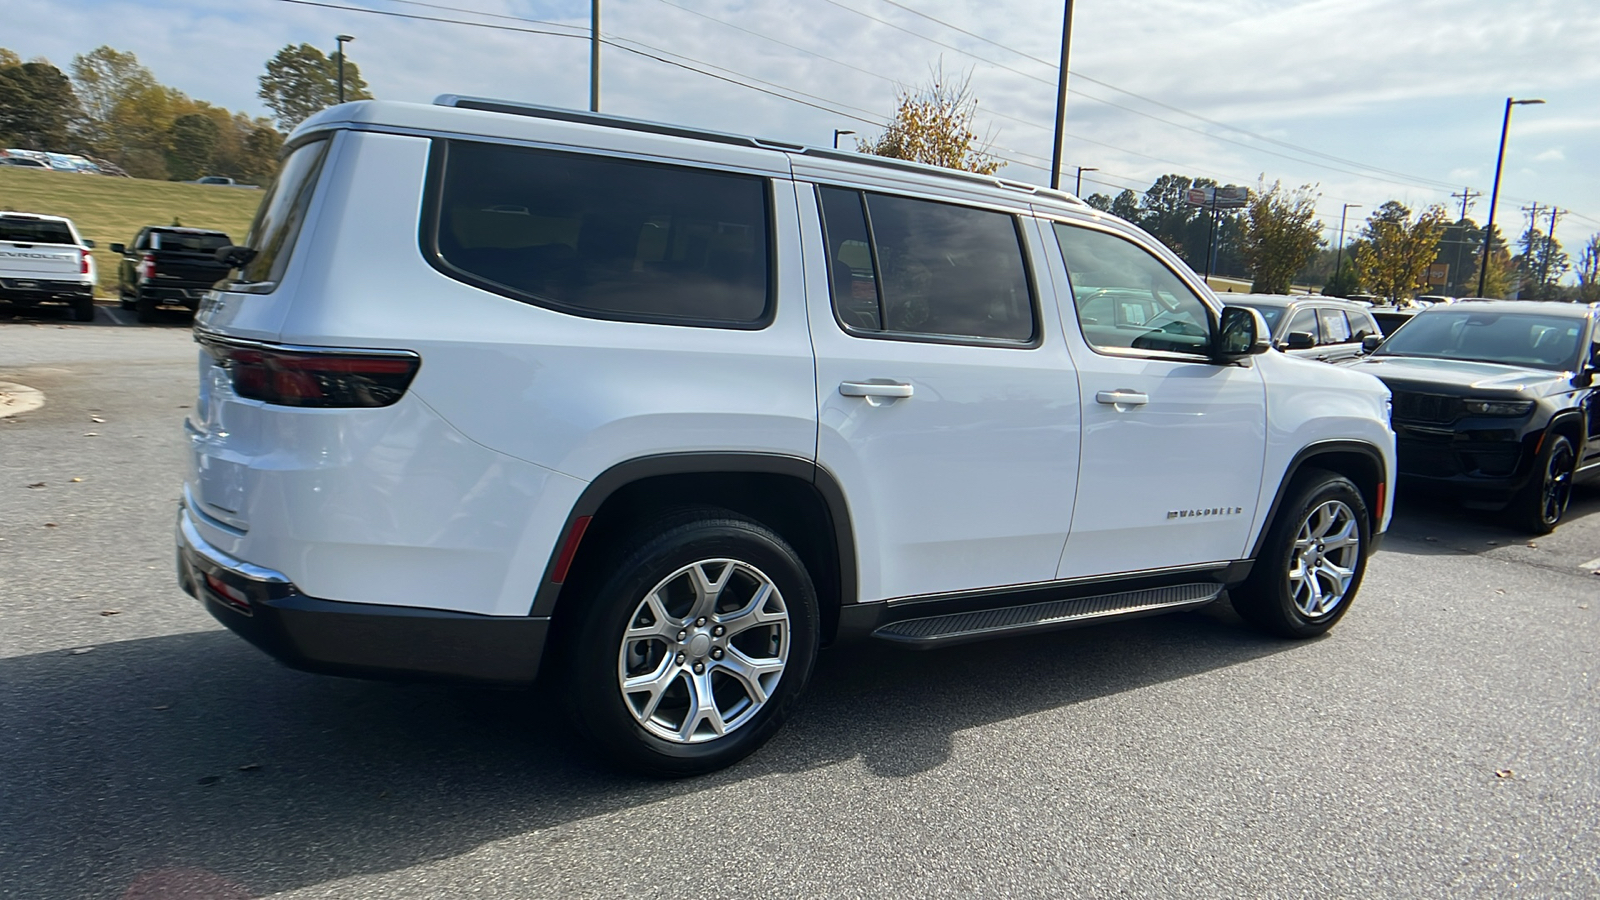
x: 1361, y: 325
x: 282, y: 211
x: 950, y: 270
x: 1335, y: 328
x: 1304, y: 320
x: 605, y: 237
x: 850, y: 267
x: 1126, y: 298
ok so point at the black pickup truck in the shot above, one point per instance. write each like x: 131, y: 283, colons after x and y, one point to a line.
x: 169, y: 266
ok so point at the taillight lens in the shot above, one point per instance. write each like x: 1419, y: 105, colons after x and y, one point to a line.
x: 83, y: 262
x: 315, y: 377
x: 147, y: 267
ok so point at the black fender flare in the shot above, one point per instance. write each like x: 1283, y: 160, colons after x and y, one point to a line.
x: 625, y: 473
x: 1298, y: 461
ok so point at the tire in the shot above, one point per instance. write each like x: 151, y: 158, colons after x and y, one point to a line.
x: 83, y: 310
x: 1543, y: 501
x: 123, y: 300
x: 146, y: 310
x: 1324, y: 522
x: 693, y: 645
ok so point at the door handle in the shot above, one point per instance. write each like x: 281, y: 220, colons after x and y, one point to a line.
x: 1121, y: 398
x: 889, y: 389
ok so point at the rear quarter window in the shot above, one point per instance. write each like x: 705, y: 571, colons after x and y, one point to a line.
x: 282, y: 213
x: 602, y: 237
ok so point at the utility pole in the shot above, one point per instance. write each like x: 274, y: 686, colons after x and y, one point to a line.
x: 1549, y: 248
x: 1467, y: 194
x: 1061, y: 97
x: 594, y: 55
x: 1533, y: 226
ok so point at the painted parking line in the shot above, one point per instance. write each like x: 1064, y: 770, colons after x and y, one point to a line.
x: 1592, y: 565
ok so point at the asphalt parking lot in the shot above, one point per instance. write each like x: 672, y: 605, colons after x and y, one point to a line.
x: 1443, y: 741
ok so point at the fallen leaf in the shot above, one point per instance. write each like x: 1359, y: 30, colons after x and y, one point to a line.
x: 96, y: 419
x: 37, y: 484
x: 110, y: 612
x: 210, y: 779
x: 91, y: 434
x: 1504, y: 773
x: 1583, y: 606
x: 1533, y: 545
x: 1434, y: 539
x: 250, y: 767
x: 49, y: 524
x: 76, y: 480
x: 79, y: 651
x: 162, y: 706
x: 1499, y: 590
x: 1494, y: 543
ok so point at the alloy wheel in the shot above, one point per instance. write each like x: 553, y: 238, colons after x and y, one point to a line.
x: 703, y: 651
x: 1324, y: 558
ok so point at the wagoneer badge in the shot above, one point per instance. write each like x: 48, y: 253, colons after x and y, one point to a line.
x: 1197, y: 513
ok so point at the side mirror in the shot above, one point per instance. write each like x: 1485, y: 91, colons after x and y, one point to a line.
x: 235, y: 256
x: 1300, y: 340
x: 88, y: 243
x: 1371, y: 342
x: 1241, y: 332
x: 119, y: 248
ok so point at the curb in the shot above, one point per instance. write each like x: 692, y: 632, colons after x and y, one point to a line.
x: 18, y: 398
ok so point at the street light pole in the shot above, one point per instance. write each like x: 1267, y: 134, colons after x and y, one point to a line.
x: 1061, y: 97
x: 836, y: 133
x: 1078, y: 190
x: 594, y: 55
x: 1494, y: 193
x: 1338, y: 267
x: 342, y: 39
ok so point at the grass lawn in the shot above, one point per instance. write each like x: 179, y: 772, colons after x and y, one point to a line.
x: 107, y: 209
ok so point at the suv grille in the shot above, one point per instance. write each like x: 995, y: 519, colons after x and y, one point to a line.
x: 1436, y: 408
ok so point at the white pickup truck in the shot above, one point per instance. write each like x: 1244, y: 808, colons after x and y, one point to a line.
x: 44, y: 260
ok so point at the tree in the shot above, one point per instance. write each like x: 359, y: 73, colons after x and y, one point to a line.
x: 1280, y: 234
x: 1398, y: 249
x: 933, y: 124
x: 1099, y: 201
x: 107, y: 80
x: 38, y: 109
x: 301, y: 80
x: 1542, y: 262
x: 1165, y: 212
x: 1588, y: 270
x: 9, y: 58
x: 194, y: 144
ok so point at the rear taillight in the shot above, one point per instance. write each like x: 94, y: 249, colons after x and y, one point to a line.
x: 83, y: 262
x: 314, y: 376
x: 147, y: 267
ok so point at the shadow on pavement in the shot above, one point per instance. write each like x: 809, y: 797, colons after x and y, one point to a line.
x: 195, y: 758
x: 106, y: 313
x: 1431, y: 524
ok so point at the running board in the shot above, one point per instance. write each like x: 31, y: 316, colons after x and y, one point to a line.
x: 955, y: 628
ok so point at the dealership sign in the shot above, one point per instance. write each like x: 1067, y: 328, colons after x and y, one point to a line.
x: 1229, y: 197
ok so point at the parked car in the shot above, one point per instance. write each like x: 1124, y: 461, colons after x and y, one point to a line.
x: 1390, y: 318
x: 219, y: 179
x: 22, y: 162
x: 167, y: 265
x: 43, y: 261
x: 1495, y: 403
x: 1326, y: 329
x: 500, y: 390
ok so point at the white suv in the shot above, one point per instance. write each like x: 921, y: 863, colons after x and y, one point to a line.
x: 501, y: 391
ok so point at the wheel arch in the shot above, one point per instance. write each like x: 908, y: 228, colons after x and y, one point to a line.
x: 1358, y: 461
x: 795, y: 497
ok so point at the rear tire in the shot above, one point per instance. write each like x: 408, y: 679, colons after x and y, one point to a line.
x: 146, y: 310
x: 692, y: 645
x: 1312, y: 560
x: 83, y: 310
x: 1543, y: 501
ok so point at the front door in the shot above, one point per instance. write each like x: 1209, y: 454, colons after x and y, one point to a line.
x: 1173, y: 442
x: 948, y: 405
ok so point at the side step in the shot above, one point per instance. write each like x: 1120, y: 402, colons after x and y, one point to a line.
x: 955, y: 628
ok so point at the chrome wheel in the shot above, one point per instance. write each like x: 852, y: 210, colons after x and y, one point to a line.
x: 1324, y: 558
x: 703, y: 651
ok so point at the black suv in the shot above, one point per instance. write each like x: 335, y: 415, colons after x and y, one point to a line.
x: 1495, y: 402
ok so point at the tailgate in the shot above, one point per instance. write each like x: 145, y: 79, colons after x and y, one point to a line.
x: 187, y: 270
x: 54, y: 262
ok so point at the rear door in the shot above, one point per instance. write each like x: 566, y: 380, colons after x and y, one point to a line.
x: 1173, y: 443
x: 948, y: 405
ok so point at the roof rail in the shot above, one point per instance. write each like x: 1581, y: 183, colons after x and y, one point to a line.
x: 484, y: 104
x: 512, y: 108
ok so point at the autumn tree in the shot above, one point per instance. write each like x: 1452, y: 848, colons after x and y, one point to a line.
x: 38, y: 108
x: 1397, y: 249
x: 110, y: 83
x: 1543, y: 262
x: 933, y: 124
x: 9, y: 58
x: 301, y: 80
x: 1280, y: 233
x: 1588, y: 270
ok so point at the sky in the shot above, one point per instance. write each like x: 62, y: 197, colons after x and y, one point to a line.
x: 1365, y: 100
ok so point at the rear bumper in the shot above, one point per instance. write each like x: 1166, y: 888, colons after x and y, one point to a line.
x: 187, y: 297
x: 356, y: 639
x: 29, y: 291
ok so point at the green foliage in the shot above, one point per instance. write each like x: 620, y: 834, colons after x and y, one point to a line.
x: 9, y: 58
x: 1542, y: 263
x: 301, y: 80
x: 194, y: 144
x: 1126, y: 205
x: 1279, y: 234
x: 38, y: 108
x: 1588, y: 270
x: 1398, y: 249
x: 1343, y: 283
x: 933, y: 125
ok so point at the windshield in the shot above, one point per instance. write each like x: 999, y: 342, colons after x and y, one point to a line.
x: 1271, y: 313
x: 1511, y: 338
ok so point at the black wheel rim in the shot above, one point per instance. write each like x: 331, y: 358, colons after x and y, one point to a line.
x: 1557, y: 484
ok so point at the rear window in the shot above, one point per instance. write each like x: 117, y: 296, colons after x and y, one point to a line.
x: 195, y: 243
x: 35, y: 231
x: 603, y: 237
x: 282, y: 212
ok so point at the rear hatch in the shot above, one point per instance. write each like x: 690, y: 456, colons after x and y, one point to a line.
x: 35, y: 248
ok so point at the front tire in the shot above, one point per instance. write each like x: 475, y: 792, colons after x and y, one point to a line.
x: 693, y: 649
x: 1312, y: 561
x: 83, y: 309
x: 1544, y: 500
